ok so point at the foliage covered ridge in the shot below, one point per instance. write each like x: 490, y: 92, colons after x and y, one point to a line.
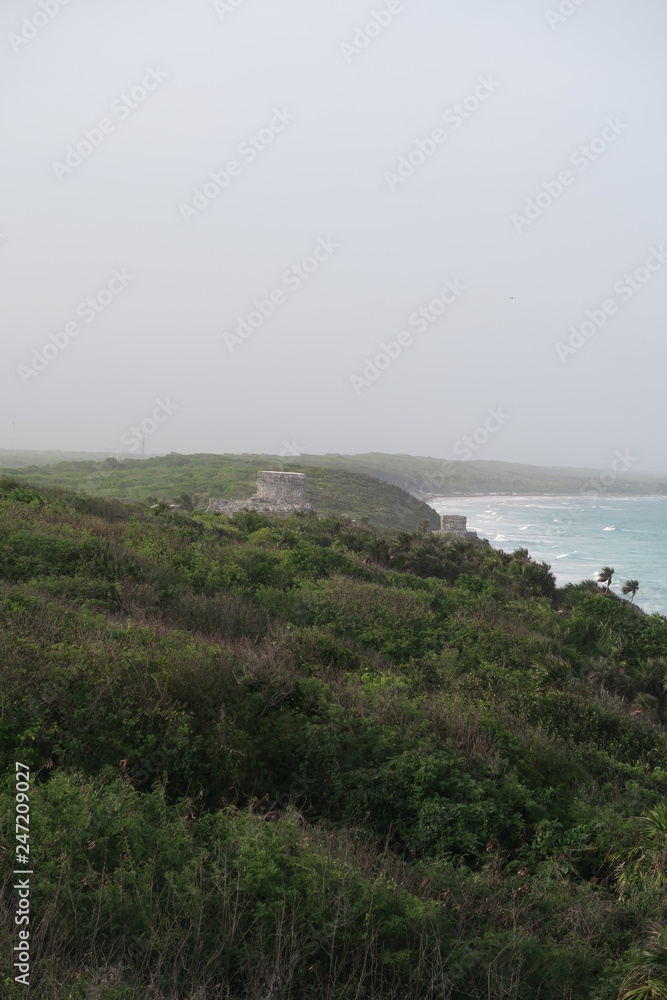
x: 307, y: 758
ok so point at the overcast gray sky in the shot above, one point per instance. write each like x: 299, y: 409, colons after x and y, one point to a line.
x: 424, y: 210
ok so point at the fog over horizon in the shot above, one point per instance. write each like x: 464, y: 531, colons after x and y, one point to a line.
x: 393, y: 226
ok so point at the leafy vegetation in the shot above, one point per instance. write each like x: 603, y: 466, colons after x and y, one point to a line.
x: 305, y: 758
x: 192, y: 479
x: 630, y: 587
x: 421, y: 477
x: 426, y: 476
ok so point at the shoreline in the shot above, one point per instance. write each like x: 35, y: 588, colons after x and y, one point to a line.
x: 567, y: 533
x: 537, y: 496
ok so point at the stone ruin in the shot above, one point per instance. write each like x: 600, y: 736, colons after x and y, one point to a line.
x: 455, y: 524
x: 277, y: 493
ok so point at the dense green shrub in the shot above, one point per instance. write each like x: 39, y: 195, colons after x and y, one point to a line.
x: 302, y: 758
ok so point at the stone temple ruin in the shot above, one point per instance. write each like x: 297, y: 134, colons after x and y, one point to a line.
x: 277, y: 493
x: 455, y: 524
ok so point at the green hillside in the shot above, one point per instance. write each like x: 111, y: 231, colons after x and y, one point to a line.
x: 18, y: 459
x: 301, y: 759
x: 428, y: 476
x: 419, y: 476
x: 199, y: 477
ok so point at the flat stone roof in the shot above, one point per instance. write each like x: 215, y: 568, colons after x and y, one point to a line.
x: 292, y: 475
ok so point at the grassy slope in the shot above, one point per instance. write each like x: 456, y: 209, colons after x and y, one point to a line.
x: 416, y: 474
x: 420, y: 476
x: 333, y: 491
x: 17, y: 459
x: 301, y: 758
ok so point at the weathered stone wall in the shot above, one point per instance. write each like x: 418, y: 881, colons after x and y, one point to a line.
x: 454, y: 523
x: 277, y: 493
x: 288, y: 487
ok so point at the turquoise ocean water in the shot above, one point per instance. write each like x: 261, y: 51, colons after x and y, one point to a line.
x: 578, y: 537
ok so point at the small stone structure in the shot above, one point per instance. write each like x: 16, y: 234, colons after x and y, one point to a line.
x: 455, y: 524
x: 277, y: 493
x: 287, y: 487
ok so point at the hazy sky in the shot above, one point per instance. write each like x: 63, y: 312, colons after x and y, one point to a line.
x: 375, y: 164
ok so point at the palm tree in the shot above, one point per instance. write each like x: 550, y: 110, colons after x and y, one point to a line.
x: 648, y: 980
x: 605, y: 575
x: 645, y: 862
x: 630, y: 587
